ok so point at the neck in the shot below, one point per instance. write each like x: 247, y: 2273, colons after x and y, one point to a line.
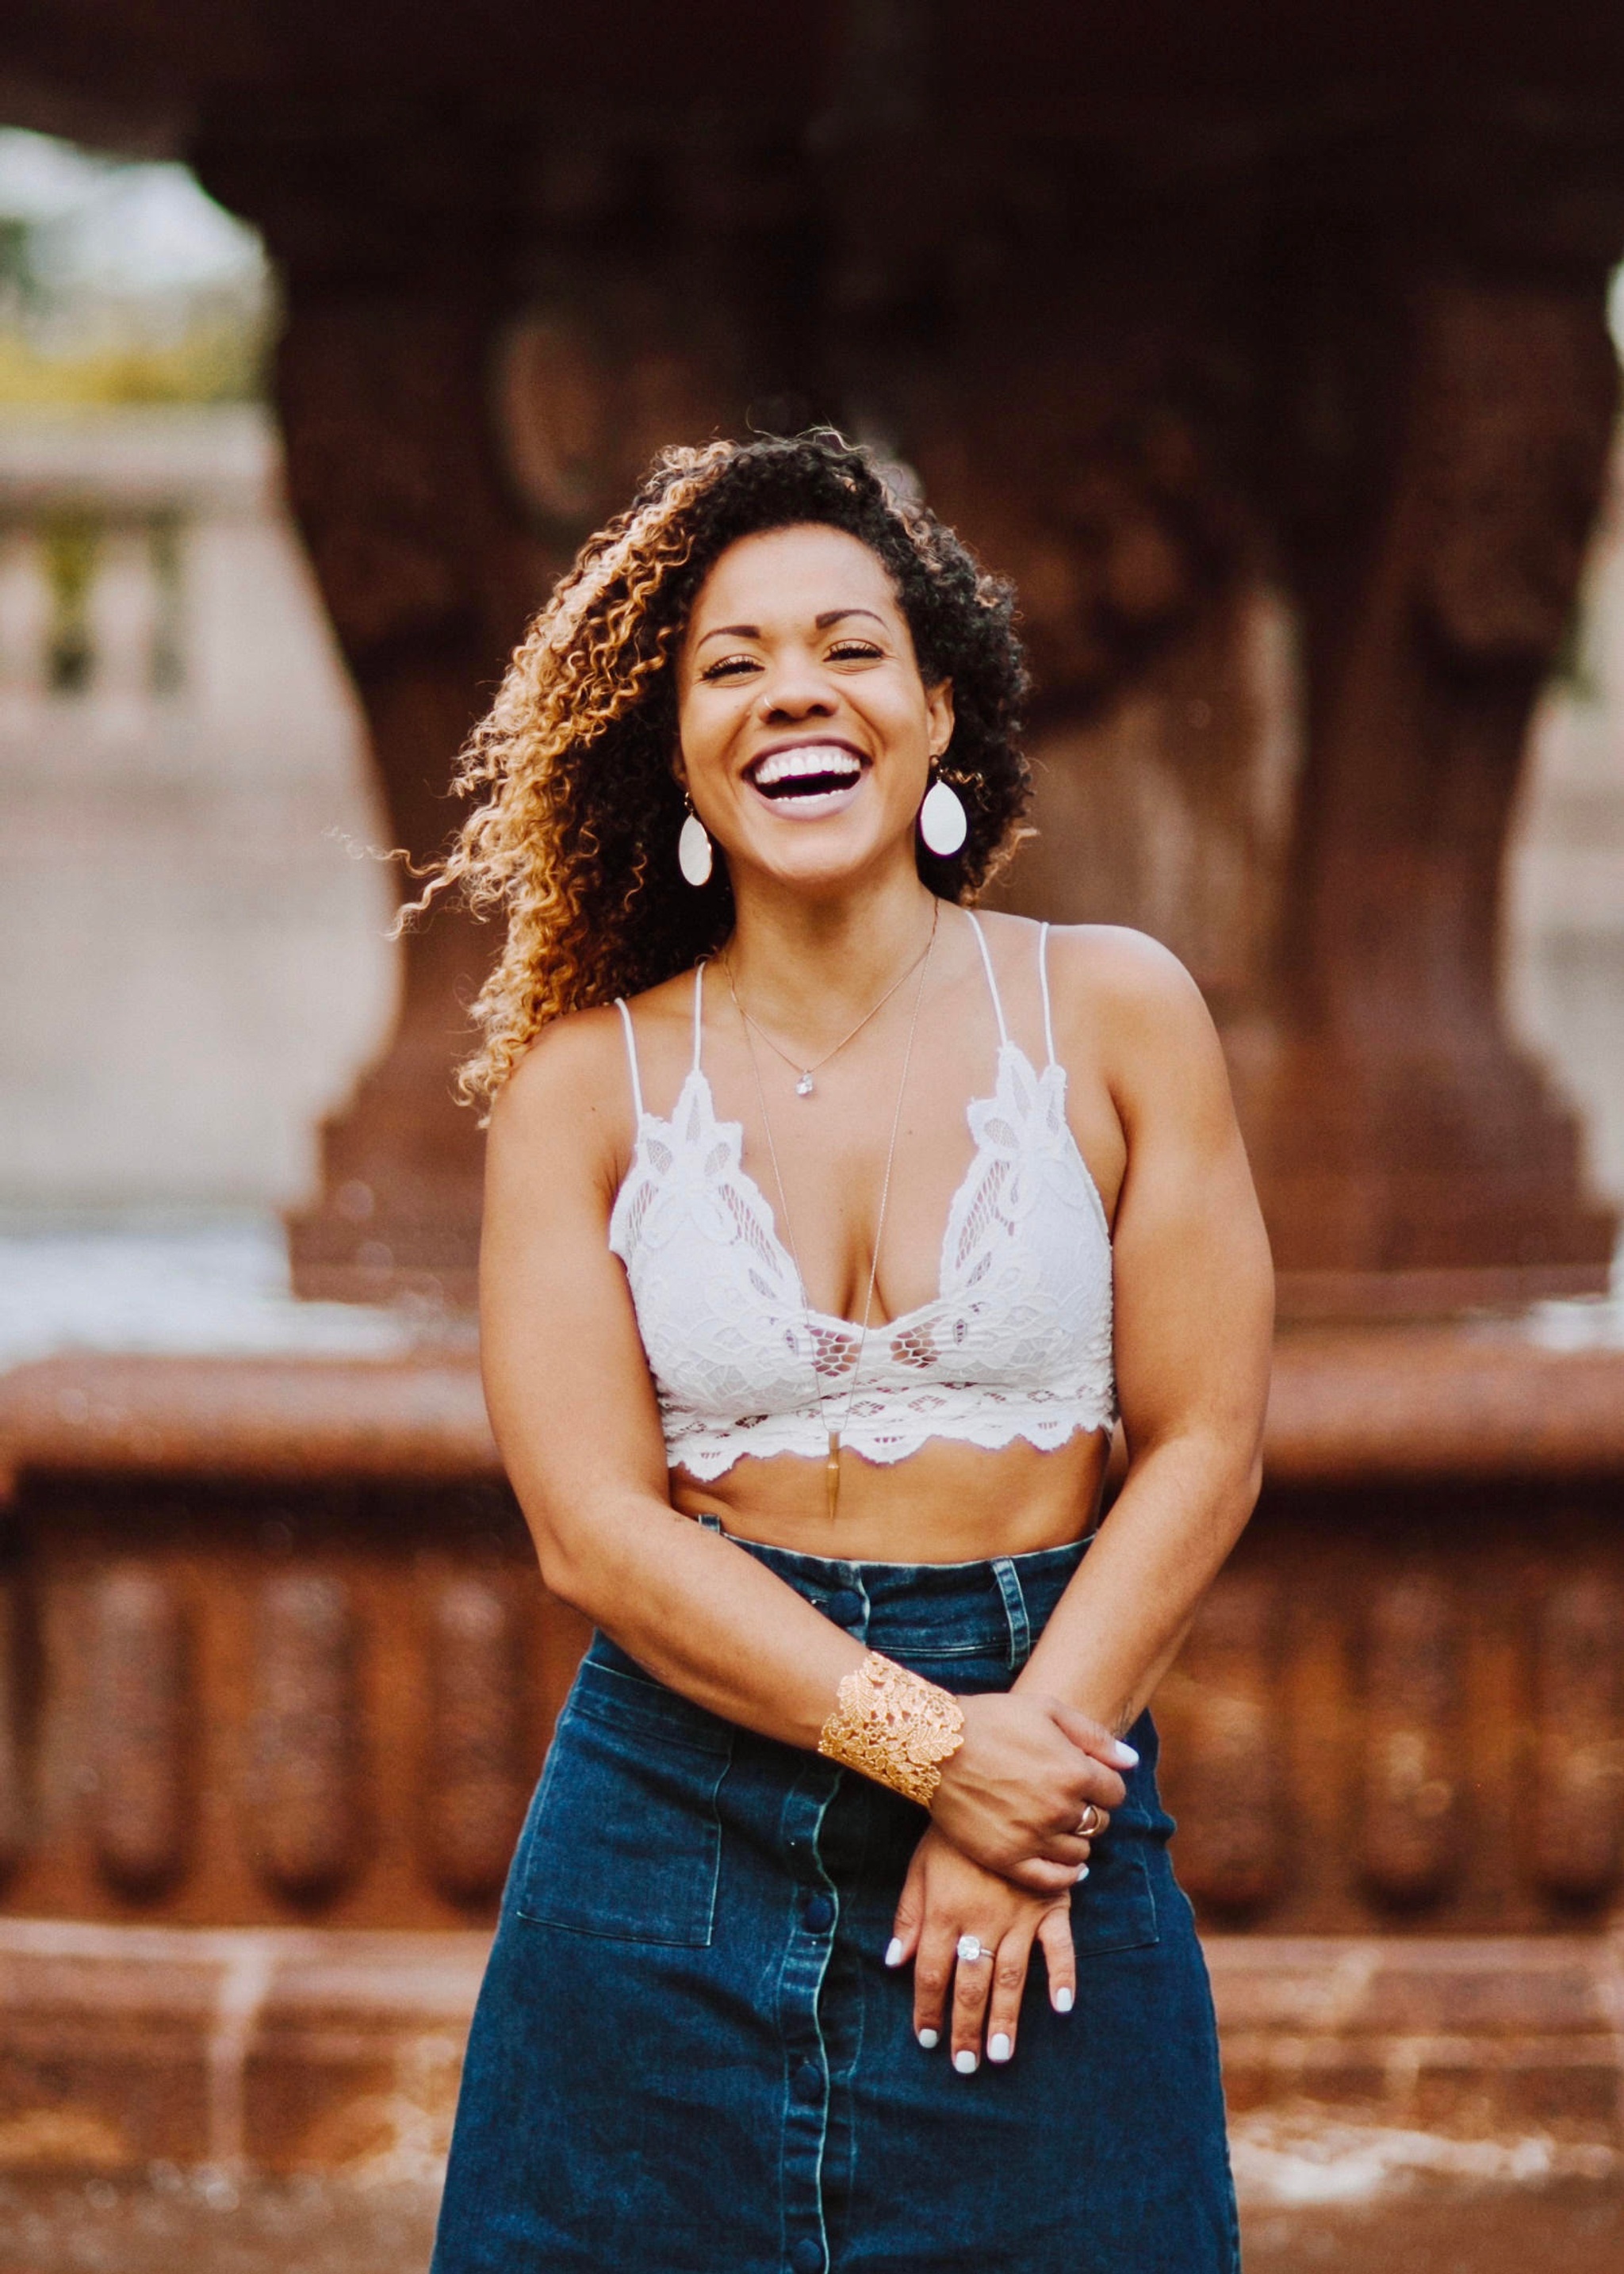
x: 811, y: 965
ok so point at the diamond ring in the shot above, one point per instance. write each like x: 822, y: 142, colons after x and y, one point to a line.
x: 971, y: 1948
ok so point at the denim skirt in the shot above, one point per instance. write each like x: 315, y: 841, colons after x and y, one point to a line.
x: 689, y: 2057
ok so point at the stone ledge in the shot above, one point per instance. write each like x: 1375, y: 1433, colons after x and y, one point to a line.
x: 271, y: 1421
x: 279, y: 2048
x: 286, y: 2050
x: 1371, y: 1405
x: 1475, y: 2031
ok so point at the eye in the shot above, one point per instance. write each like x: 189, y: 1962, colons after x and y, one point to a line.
x: 729, y: 666
x: 858, y: 651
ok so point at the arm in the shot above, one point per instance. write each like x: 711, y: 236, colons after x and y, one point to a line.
x: 1194, y: 1299
x: 575, y: 1416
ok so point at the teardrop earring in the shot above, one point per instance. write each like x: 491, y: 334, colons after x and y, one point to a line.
x: 943, y: 823
x: 694, y: 853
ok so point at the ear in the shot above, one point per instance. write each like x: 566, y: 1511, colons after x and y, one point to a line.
x: 939, y: 716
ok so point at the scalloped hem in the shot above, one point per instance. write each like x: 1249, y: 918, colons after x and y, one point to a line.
x: 705, y: 1464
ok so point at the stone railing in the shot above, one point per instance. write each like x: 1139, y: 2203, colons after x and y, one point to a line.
x: 96, y: 519
x: 277, y: 1674
x: 279, y: 1652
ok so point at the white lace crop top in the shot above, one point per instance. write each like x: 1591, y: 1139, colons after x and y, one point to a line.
x: 1016, y: 1343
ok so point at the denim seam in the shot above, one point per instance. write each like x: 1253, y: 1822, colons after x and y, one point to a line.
x: 1015, y: 1610
x: 815, y: 1830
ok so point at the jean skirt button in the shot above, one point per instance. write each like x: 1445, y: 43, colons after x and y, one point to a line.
x: 807, y: 2083
x: 807, y: 2256
x: 818, y: 1916
x: 845, y: 1606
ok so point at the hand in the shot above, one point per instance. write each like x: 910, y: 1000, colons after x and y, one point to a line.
x: 1012, y: 1795
x: 944, y: 1896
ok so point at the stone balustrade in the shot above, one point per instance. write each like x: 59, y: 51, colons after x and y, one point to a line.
x: 276, y: 1675
x: 278, y: 1652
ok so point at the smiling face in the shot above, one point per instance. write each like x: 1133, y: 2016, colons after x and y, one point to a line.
x: 806, y: 730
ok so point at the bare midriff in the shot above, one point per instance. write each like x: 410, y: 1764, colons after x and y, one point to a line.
x: 946, y: 1503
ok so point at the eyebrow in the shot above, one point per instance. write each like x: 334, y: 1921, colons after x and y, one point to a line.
x: 753, y: 631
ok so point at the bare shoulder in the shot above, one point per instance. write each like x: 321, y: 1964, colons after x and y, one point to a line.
x: 1107, y: 968
x: 1129, y: 1000
x: 573, y: 1085
x: 571, y: 1088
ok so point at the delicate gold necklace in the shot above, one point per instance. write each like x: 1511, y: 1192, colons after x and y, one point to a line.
x: 805, y: 1086
x: 831, y: 1466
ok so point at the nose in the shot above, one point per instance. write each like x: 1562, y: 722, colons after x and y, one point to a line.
x: 793, y: 688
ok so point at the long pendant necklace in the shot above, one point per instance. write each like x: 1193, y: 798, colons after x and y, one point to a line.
x: 805, y: 1087
x: 832, y: 1465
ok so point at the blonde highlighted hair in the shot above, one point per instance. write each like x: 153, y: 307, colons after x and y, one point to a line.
x: 573, y: 838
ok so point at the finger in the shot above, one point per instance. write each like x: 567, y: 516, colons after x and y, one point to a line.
x: 1094, y: 1738
x: 910, y: 1916
x: 1039, y: 1877
x: 972, y: 1986
x: 1069, y: 1846
x: 1003, y: 2012
x: 932, y: 1977
x: 1059, y: 1956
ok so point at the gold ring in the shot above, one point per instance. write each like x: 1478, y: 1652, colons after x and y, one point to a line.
x: 1091, y: 1821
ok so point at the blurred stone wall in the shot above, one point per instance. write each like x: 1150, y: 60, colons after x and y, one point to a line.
x: 192, y: 958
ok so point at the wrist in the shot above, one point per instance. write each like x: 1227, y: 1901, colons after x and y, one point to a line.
x: 894, y: 1727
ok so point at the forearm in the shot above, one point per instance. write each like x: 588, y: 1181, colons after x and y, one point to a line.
x: 1120, y: 1625
x: 700, y: 1614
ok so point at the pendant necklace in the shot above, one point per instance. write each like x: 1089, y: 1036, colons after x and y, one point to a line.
x: 805, y: 1087
x: 835, y: 1431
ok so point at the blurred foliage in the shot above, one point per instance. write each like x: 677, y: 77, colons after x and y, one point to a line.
x: 221, y: 361
x: 122, y: 283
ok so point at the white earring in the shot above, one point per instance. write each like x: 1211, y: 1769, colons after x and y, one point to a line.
x: 943, y: 822
x: 694, y: 855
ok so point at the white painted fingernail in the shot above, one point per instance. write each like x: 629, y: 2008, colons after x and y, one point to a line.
x: 965, y: 2062
x: 929, y: 2039
x: 1124, y: 1756
x: 999, y: 2047
x: 1081, y: 1874
x: 893, y: 1951
x: 1063, y: 1999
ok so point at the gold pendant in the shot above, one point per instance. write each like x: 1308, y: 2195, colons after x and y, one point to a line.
x: 831, y: 1472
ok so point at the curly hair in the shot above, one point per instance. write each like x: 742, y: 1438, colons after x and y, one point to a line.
x: 574, y: 841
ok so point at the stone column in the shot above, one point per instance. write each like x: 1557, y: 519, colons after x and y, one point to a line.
x: 1410, y: 1156
x: 392, y: 236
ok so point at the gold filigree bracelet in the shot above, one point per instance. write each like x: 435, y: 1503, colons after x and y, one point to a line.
x: 894, y: 1727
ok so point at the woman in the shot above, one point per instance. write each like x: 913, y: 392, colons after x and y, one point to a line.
x: 847, y: 1748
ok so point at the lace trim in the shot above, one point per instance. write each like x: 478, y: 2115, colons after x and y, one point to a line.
x: 706, y: 1454
x: 1016, y: 1342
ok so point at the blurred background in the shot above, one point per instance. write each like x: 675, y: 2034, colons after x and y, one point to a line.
x: 1279, y: 366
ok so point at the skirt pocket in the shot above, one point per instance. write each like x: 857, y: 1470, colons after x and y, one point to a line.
x: 1115, y: 1907
x: 624, y: 1840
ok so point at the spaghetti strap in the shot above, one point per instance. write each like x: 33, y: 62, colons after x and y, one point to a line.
x: 631, y: 1056
x: 1043, y: 982
x: 1003, y: 1031
x: 698, y: 1010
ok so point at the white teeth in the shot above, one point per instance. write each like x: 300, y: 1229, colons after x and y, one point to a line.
x: 810, y: 758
